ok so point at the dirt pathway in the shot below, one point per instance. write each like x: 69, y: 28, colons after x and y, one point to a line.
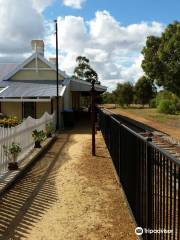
x: 68, y: 195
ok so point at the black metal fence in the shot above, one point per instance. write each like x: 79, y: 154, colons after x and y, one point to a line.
x: 150, y: 178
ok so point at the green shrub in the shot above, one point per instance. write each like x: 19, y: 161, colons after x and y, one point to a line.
x: 166, y: 95
x: 38, y: 135
x: 178, y: 105
x: 166, y: 102
x: 167, y: 106
x: 49, y: 129
x: 153, y: 103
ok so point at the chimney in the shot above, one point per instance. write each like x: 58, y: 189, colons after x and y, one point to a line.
x: 52, y: 60
x: 38, y: 46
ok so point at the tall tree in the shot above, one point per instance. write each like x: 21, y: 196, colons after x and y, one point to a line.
x: 151, y: 63
x: 124, y: 93
x: 83, y: 70
x: 107, y: 97
x: 162, y: 58
x: 144, y: 90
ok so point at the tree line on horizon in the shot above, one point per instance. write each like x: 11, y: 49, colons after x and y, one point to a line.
x: 161, y: 66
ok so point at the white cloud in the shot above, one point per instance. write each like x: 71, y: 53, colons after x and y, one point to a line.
x: 73, y: 34
x: 21, y: 21
x: 74, y: 3
x: 40, y: 5
x: 113, y: 49
x: 98, y: 55
x: 108, y: 32
x: 134, y: 71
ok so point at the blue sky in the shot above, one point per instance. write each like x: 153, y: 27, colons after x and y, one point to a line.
x: 125, y: 11
x: 127, y: 63
x: 111, y: 33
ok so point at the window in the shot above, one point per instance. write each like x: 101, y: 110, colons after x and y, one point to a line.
x: 29, y: 109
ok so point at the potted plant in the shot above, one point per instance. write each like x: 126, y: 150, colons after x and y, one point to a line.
x: 12, y: 153
x: 49, y: 129
x: 38, y: 137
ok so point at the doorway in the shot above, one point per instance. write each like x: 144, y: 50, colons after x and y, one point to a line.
x: 29, y: 109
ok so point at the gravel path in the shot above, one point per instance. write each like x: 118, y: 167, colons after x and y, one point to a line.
x: 68, y: 195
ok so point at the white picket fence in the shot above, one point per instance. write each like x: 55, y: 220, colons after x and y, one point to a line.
x: 21, y: 134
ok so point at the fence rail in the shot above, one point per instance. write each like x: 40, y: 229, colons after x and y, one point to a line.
x: 21, y: 134
x: 150, y: 178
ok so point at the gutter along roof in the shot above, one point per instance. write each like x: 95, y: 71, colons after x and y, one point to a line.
x: 28, y: 88
x: 11, y: 89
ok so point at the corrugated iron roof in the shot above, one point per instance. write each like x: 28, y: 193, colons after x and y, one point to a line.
x: 22, y: 89
x: 6, y: 68
x: 83, y: 86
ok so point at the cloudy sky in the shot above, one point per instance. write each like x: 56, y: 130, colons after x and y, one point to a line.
x: 111, y: 33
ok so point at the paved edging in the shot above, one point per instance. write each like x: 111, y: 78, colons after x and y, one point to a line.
x: 13, y: 176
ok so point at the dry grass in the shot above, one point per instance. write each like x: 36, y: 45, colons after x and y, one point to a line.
x: 169, y: 124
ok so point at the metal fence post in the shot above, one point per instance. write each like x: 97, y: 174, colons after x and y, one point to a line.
x: 150, y: 178
x: 149, y: 199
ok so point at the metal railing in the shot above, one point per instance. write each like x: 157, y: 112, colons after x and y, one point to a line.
x: 149, y: 176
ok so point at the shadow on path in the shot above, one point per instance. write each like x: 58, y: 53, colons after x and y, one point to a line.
x: 34, y: 194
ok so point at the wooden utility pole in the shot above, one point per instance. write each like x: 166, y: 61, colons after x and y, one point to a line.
x: 93, y: 118
x: 57, y: 78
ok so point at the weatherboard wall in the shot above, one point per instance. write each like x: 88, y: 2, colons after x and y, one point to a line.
x: 12, y: 108
x: 33, y: 75
x: 30, y: 72
x: 42, y: 107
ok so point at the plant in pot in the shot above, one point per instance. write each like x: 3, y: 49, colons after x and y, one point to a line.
x: 49, y: 129
x: 38, y: 137
x: 12, y: 154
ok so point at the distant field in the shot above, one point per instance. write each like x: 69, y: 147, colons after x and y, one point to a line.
x: 163, y: 122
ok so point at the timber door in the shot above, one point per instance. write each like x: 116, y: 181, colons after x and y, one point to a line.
x: 29, y: 109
